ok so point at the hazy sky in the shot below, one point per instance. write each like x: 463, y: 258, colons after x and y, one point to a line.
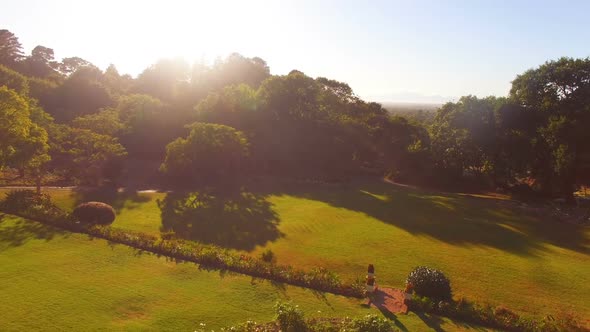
x: 385, y: 50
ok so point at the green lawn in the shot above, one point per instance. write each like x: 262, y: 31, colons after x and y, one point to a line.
x: 53, y: 280
x: 492, y: 250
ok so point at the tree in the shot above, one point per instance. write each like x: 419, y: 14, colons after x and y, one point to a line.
x: 116, y: 84
x: 41, y: 63
x: 10, y: 49
x: 15, y: 124
x: 71, y: 65
x: 82, y: 93
x: 163, y: 79
x: 105, y: 122
x: 13, y: 80
x: 556, y: 96
x: 23, y: 143
x: 464, y: 134
x: 83, y: 155
x: 209, y: 151
x: 148, y: 125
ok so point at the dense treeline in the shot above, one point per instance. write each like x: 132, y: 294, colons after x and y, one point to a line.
x: 199, y: 123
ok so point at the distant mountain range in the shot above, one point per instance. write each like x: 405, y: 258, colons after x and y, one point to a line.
x: 410, y: 98
x: 400, y: 107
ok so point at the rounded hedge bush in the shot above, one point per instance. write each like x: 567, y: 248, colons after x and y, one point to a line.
x: 429, y: 282
x: 94, y: 213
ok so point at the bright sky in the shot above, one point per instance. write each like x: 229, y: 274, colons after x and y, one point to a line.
x: 386, y: 50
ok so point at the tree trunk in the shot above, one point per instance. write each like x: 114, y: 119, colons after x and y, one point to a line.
x: 568, y: 190
x: 38, y: 183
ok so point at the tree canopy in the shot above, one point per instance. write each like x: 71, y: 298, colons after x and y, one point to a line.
x: 91, y: 122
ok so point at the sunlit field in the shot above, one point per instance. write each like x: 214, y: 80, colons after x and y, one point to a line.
x: 54, y: 280
x: 494, y: 250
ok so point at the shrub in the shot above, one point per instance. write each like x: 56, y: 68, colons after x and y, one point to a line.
x: 290, y: 318
x: 430, y: 282
x: 372, y: 323
x: 268, y: 256
x: 31, y: 204
x: 94, y: 213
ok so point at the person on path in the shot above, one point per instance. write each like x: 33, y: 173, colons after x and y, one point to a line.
x: 371, y: 280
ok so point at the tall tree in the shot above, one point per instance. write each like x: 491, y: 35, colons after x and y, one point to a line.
x: 83, y: 155
x: 41, y: 63
x: 81, y: 93
x: 557, y: 98
x: 23, y: 143
x: 11, y: 50
x: 209, y: 151
x: 71, y: 65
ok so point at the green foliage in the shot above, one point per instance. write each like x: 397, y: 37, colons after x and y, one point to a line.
x: 10, y: 49
x: 44, y: 91
x: 72, y: 64
x: 33, y: 205
x: 147, y: 121
x: 372, y: 323
x: 41, y: 63
x: 81, y: 93
x: 556, y: 96
x: 105, y: 122
x: 430, y: 282
x: 290, y: 318
x: 498, y: 317
x: 84, y: 155
x: 209, y: 150
x: 13, y: 80
x: 94, y: 213
x: 23, y: 143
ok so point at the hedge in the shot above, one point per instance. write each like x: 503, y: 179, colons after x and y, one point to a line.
x: 44, y: 211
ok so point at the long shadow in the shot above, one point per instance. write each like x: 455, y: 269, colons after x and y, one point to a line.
x: 378, y: 300
x: 432, y: 321
x: 452, y: 218
x: 116, y: 198
x: 232, y: 218
x: 15, y: 233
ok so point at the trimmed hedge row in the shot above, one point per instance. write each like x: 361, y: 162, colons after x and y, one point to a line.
x: 495, y: 317
x: 288, y: 318
x: 28, y: 204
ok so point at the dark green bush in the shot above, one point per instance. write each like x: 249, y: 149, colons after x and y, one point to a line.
x: 94, y: 213
x: 290, y: 318
x: 31, y: 204
x: 430, y: 282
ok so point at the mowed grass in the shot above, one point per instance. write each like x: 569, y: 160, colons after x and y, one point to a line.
x: 53, y: 280
x: 493, y: 250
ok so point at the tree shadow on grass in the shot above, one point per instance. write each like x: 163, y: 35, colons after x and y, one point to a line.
x: 118, y: 199
x: 229, y: 218
x: 432, y: 321
x: 15, y: 232
x: 452, y: 218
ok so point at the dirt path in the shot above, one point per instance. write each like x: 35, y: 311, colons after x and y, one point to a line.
x: 389, y: 301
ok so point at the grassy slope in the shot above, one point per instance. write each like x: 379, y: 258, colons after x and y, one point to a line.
x: 53, y: 280
x: 492, y: 251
